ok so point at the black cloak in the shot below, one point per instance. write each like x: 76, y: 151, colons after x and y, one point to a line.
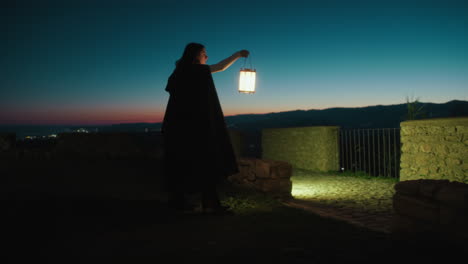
x: 197, y: 147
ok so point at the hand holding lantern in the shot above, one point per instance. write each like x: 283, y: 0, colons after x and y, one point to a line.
x: 243, y: 53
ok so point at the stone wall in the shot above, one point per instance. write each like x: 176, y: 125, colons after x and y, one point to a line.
x: 237, y: 141
x: 431, y: 207
x: 435, y: 149
x: 268, y: 176
x: 312, y: 148
x: 7, y: 145
x: 109, y: 146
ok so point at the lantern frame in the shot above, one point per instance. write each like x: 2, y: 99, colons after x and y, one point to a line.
x: 254, y: 80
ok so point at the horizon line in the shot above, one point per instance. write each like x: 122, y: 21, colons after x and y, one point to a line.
x: 152, y: 123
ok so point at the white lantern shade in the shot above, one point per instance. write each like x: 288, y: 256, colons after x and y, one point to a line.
x: 247, y: 81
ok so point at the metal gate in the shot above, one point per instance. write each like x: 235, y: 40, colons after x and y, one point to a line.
x: 373, y: 151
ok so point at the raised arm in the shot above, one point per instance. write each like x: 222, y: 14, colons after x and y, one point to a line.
x: 224, y: 64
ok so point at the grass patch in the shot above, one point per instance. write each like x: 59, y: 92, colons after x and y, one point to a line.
x: 247, y: 201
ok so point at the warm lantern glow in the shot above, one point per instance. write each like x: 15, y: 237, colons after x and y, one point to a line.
x: 247, y: 81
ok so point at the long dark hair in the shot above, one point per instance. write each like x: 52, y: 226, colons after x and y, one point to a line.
x: 192, y: 50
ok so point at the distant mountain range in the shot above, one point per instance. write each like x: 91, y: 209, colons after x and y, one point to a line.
x: 379, y: 116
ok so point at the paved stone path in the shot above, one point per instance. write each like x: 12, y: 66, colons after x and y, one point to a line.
x: 376, y: 221
x: 359, y: 201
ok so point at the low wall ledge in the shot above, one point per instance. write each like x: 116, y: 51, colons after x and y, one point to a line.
x: 303, y: 128
x: 453, y: 121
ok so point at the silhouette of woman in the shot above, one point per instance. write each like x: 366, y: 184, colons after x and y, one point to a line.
x: 198, y: 154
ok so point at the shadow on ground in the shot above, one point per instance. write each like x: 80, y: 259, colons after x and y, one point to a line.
x: 115, y: 213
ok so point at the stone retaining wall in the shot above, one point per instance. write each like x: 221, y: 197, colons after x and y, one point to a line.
x: 7, y: 145
x: 435, y: 149
x: 311, y: 148
x: 238, y: 142
x: 431, y: 207
x: 108, y: 146
x: 268, y: 176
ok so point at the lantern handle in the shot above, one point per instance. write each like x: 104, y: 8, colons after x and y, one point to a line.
x: 250, y: 61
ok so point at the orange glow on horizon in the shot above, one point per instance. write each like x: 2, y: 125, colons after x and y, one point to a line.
x: 80, y: 117
x: 114, y: 115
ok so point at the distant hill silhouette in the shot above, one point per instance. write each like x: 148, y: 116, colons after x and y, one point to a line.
x: 379, y: 116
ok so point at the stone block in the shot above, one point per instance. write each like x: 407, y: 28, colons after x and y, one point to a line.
x: 7, y: 142
x: 456, y: 227
x: 281, y: 169
x: 236, y: 178
x: 448, y: 215
x: 404, y: 165
x: 428, y: 188
x: 283, y: 186
x: 458, y: 175
x: 453, y: 138
x: 435, y: 130
x: 272, y: 169
x: 416, y: 208
x: 246, y: 171
x: 262, y: 168
x: 464, y: 166
x: 406, y: 148
x: 460, y: 228
x: 462, y: 129
x: 459, y: 148
x: 406, y: 158
x: 264, y: 175
x: 434, y: 169
x: 410, y: 187
x: 441, y: 149
x: 423, y: 171
x: 453, y: 161
x: 246, y: 162
x: 426, y: 148
x: 410, y: 228
x: 251, y: 176
x: 407, y: 174
x: 403, y: 224
x: 407, y: 131
x: 422, y: 159
x: 455, y: 195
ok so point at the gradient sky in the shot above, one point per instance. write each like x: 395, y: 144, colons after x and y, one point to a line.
x: 103, y: 62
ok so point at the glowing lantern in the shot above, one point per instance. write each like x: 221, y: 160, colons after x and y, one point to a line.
x: 247, y: 80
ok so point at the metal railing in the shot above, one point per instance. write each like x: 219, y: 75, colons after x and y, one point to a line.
x: 373, y: 151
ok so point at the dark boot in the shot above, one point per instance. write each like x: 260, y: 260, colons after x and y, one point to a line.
x: 211, y: 204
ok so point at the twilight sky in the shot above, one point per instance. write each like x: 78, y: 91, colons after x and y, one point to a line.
x: 103, y: 61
